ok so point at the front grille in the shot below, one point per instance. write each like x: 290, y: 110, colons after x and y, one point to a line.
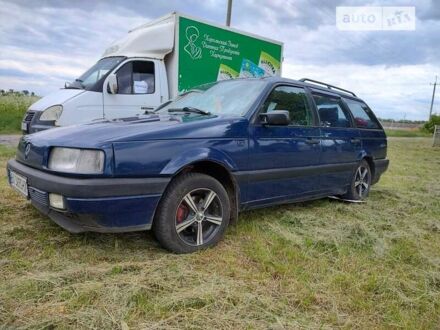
x: 29, y: 116
x: 39, y: 196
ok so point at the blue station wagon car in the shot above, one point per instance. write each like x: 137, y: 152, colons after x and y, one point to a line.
x: 188, y: 168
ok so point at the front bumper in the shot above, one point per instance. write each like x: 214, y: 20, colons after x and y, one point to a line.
x: 99, y: 205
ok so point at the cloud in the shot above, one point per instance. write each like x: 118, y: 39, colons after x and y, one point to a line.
x: 61, y: 43
x: 431, y: 11
x: 307, y: 27
x: 392, y: 92
x: 44, y: 44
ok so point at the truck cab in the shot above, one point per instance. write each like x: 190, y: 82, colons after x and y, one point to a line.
x: 141, y: 85
x: 129, y: 79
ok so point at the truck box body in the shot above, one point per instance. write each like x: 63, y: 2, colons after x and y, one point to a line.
x: 185, y: 52
x: 197, y: 52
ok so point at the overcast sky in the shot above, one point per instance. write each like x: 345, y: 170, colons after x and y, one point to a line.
x: 45, y: 43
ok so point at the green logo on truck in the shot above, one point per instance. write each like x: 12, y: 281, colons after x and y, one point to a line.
x: 192, y: 34
x: 209, y: 53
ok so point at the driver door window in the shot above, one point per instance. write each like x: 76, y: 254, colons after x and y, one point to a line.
x: 137, y: 92
x: 136, y: 77
x: 292, y: 99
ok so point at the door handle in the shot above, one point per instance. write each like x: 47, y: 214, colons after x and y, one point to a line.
x: 355, y: 141
x: 312, y: 141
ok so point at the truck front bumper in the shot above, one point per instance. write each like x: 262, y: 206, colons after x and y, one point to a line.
x: 31, y: 122
x: 98, y: 204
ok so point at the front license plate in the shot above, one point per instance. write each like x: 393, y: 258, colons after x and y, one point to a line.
x: 18, y: 182
x: 24, y: 127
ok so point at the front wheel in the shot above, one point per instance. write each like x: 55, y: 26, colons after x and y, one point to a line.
x: 360, y: 182
x: 193, y: 213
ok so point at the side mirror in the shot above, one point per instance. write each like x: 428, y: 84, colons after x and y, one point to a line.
x: 275, y: 117
x: 112, y: 83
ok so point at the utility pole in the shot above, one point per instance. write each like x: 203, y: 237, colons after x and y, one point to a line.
x: 228, y: 14
x: 433, y: 97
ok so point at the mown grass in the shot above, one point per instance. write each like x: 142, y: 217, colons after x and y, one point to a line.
x: 12, y: 110
x: 320, y: 264
x: 407, y: 133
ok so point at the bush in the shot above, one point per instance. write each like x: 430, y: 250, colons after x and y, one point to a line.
x: 429, y: 126
x: 12, y: 109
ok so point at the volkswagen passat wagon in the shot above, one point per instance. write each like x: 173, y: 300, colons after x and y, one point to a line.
x: 188, y: 168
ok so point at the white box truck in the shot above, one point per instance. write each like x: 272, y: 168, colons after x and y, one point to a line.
x: 151, y: 64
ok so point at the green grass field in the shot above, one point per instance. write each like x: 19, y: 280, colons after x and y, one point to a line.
x: 320, y: 264
x: 407, y: 133
x: 12, y: 109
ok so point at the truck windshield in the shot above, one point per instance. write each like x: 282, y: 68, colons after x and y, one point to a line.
x: 232, y: 97
x: 90, y: 79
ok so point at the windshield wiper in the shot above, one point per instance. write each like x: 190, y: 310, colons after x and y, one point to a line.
x: 190, y: 110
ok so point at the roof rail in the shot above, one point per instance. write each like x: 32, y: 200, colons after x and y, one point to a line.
x: 327, y: 85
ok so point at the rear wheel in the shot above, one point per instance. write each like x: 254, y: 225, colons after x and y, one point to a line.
x: 360, y: 182
x: 193, y: 213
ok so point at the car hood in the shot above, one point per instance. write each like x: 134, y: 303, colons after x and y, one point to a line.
x: 143, y: 128
x: 55, y: 98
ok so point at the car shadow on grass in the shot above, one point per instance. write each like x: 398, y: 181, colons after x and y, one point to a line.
x: 38, y: 230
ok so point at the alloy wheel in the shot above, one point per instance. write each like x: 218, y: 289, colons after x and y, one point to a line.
x: 361, y: 181
x: 198, y: 217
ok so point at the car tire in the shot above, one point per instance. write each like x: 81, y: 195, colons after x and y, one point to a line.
x: 193, y: 202
x: 360, y: 182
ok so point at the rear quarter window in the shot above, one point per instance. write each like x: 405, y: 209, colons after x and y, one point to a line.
x: 362, y: 115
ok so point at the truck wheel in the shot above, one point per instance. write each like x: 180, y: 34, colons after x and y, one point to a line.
x: 360, y: 182
x: 193, y: 214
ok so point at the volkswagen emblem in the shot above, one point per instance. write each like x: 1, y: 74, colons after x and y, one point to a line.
x: 27, y: 150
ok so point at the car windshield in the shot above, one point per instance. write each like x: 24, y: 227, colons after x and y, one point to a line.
x: 96, y: 73
x: 232, y: 97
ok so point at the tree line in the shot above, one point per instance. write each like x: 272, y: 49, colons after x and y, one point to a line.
x: 403, y: 121
x: 10, y: 91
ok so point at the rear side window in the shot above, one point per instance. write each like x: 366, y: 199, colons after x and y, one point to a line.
x: 292, y: 99
x: 330, y: 110
x: 136, y: 77
x: 363, y: 116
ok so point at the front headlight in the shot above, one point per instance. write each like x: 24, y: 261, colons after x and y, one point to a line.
x: 81, y: 161
x: 52, y: 113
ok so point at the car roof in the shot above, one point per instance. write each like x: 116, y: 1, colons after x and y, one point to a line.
x: 313, y: 84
